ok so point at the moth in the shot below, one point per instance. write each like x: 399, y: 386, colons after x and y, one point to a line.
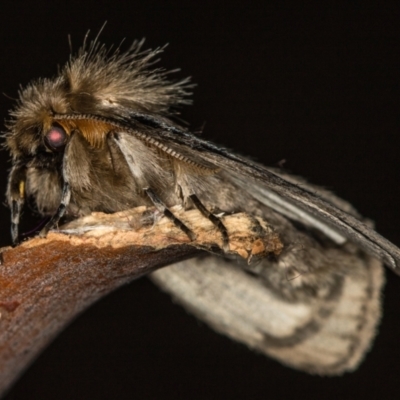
x: 102, y: 136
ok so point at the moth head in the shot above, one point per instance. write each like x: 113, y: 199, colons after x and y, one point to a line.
x: 94, y: 83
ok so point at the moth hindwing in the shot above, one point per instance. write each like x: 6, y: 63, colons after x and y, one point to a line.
x: 101, y: 136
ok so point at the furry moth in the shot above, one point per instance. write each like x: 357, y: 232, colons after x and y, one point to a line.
x: 101, y: 136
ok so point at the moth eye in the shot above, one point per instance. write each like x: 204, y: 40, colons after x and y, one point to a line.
x: 56, y: 138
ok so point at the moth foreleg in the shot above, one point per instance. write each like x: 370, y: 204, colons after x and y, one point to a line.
x: 16, y: 207
x: 158, y: 203
x: 16, y: 198
x: 214, y: 219
x: 65, y: 198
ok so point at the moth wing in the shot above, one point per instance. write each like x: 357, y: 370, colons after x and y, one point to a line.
x: 324, y: 336
x: 295, y: 200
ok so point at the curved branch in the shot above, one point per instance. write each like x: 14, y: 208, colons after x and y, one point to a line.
x: 45, y: 283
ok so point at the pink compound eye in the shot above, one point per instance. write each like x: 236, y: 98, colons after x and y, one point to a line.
x: 56, y: 138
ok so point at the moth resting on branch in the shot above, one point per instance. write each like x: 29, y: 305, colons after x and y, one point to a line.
x: 101, y: 136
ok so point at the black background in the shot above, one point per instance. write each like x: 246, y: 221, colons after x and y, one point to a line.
x: 317, y: 86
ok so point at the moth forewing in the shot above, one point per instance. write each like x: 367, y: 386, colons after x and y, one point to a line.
x: 101, y: 137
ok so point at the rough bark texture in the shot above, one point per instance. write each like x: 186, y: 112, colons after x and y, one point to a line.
x: 45, y: 283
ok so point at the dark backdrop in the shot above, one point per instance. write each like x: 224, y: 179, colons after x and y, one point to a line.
x: 318, y: 87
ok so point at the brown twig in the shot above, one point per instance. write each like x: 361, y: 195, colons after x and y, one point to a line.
x: 45, y: 283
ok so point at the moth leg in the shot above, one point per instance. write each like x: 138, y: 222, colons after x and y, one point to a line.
x: 158, y: 203
x: 16, y: 207
x: 65, y: 198
x: 214, y: 219
x: 16, y: 198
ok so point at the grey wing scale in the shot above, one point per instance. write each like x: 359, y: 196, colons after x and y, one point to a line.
x: 277, y: 191
x: 316, y: 306
x: 326, y: 334
x: 339, y: 220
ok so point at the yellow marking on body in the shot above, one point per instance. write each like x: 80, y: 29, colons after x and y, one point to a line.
x: 21, y: 188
